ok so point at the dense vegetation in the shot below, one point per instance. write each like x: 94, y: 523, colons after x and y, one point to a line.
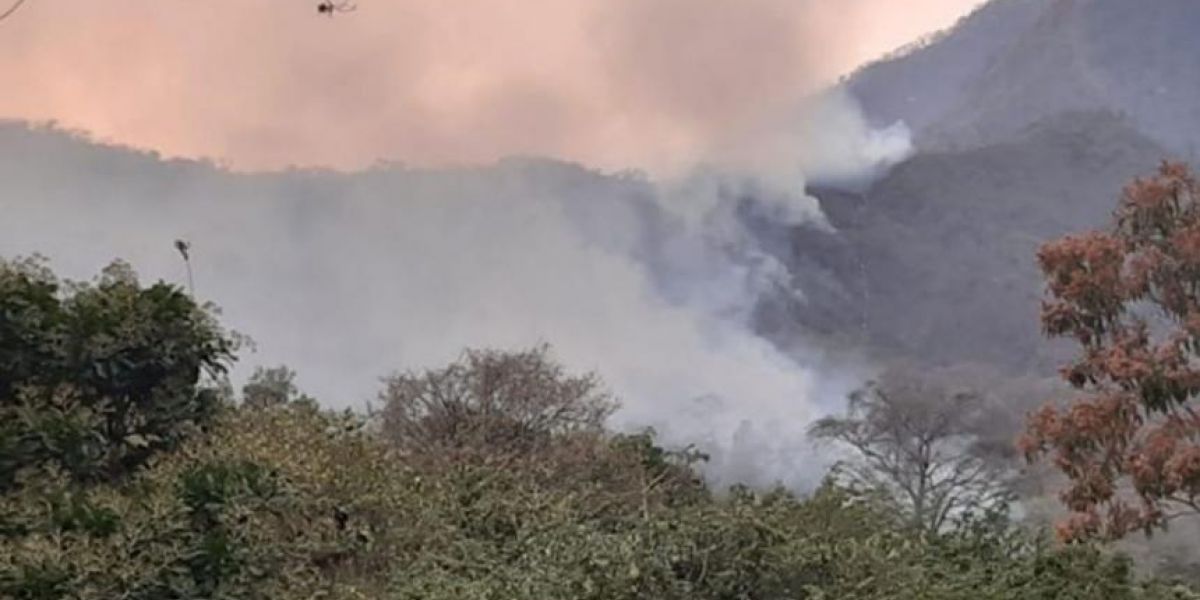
x: 127, y: 472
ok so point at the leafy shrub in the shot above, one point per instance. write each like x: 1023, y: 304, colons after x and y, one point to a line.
x: 97, y: 378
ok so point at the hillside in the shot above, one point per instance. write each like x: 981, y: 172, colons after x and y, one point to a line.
x: 937, y: 259
x: 1029, y: 117
x: 1014, y: 63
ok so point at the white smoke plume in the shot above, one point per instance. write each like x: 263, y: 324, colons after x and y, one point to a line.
x: 348, y: 277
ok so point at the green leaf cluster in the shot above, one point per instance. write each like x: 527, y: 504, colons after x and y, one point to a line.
x: 96, y: 378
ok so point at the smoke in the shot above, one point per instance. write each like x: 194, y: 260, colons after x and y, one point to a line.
x: 348, y: 276
x: 614, y: 84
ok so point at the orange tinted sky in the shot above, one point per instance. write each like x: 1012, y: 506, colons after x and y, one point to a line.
x: 268, y: 83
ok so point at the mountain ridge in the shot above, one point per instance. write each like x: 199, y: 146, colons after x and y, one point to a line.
x: 1015, y: 62
x: 1034, y: 138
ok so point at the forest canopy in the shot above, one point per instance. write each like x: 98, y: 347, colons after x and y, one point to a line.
x: 131, y: 470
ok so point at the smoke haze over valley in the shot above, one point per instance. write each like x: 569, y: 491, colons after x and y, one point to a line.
x: 783, y: 237
x: 348, y: 276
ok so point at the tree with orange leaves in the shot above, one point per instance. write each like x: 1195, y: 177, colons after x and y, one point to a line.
x: 1130, y: 297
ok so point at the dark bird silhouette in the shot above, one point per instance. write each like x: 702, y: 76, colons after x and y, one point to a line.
x: 183, y: 247
x: 328, y: 7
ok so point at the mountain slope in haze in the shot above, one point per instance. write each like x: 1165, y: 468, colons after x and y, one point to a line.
x: 937, y: 260
x: 919, y: 86
x: 346, y: 277
x: 342, y: 276
x: 1029, y: 118
x: 1014, y: 63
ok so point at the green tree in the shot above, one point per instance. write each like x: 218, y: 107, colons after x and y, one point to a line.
x: 96, y: 378
x: 274, y: 386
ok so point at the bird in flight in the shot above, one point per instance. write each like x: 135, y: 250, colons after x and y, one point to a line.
x: 328, y: 7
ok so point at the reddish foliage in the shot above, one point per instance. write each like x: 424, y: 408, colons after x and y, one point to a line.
x: 1130, y: 297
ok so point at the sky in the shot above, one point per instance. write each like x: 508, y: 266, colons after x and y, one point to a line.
x: 265, y: 84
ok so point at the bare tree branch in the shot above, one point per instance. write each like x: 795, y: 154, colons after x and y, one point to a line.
x: 12, y: 9
x: 913, y: 442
